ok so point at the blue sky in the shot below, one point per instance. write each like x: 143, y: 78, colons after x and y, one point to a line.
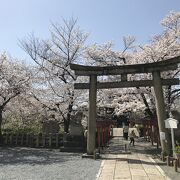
x: 105, y: 20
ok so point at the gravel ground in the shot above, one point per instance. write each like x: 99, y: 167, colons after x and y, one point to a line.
x: 43, y: 164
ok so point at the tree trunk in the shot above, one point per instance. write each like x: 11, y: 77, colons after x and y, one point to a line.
x: 66, y: 125
x: 148, y: 110
x: 67, y: 121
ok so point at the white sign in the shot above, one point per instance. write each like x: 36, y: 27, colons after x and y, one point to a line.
x: 171, y: 123
x: 162, y: 136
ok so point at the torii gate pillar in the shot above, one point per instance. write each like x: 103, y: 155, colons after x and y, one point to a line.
x: 91, y: 137
x: 161, y: 113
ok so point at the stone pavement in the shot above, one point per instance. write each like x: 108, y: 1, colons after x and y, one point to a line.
x: 136, y: 165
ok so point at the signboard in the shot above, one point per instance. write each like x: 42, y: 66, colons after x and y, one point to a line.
x: 171, y: 123
x: 162, y: 136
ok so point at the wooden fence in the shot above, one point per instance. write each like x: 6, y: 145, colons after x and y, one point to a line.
x: 33, y: 140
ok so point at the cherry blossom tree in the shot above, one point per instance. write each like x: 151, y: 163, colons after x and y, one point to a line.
x: 53, y: 58
x: 66, y: 46
x: 122, y: 100
x: 162, y: 47
x: 14, y: 80
x: 23, y: 114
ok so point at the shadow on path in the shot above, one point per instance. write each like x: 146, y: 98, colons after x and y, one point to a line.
x: 20, y: 155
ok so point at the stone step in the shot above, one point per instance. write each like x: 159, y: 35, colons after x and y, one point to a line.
x: 73, y: 144
x: 73, y: 149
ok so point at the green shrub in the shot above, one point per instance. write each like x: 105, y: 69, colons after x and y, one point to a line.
x: 177, y: 150
x: 24, y: 130
x: 17, y: 127
x: 61, y: 130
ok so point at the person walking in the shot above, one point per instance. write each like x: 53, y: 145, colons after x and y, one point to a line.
x: 132, y: 135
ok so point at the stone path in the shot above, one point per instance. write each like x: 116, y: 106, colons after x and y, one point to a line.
x: 134, y: 166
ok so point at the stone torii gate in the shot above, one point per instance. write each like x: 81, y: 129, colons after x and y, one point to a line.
x: 157, y: 82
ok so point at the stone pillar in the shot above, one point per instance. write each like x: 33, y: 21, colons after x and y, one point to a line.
x: 91, y: 136
x: 161, y: 113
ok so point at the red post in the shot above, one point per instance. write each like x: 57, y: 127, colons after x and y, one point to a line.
x: 98, y: 136
x: 105, y: 134
x: 109, y: 129
x: 102, y: 136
